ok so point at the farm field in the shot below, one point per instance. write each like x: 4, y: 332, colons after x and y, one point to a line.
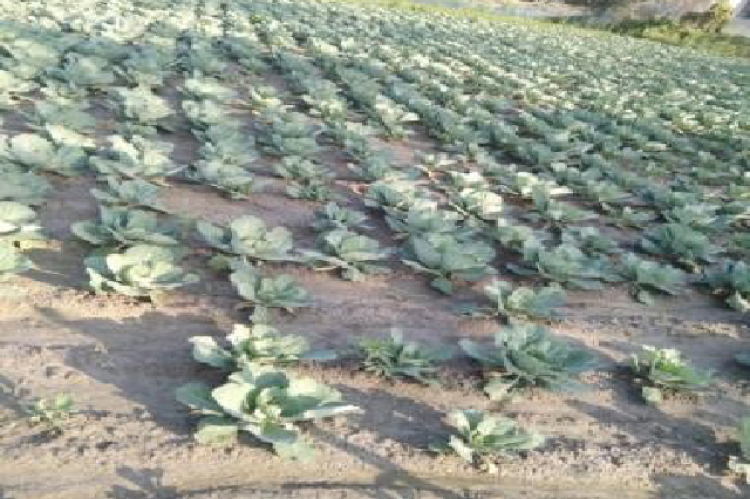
x: 176, y: 171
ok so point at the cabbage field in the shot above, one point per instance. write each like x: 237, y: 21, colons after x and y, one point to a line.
x: 316, y: 248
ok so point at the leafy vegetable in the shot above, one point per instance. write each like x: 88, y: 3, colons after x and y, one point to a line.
x: 249, y: 238
x: 481, y: 434
x: 731, y: 280
x: 136, y: 193
x: 18, y: 222
x: 394, y: 357
x: 136, y: 157
x: 334, y: 217
x: 689, y: 248
x: 22, y: 187
x: 647, y: 277
x: 446, y: 259
x: 564, y: 264
x: 264, y: 402
x: 265, y: 293
x: 526, y: 355
x: 519, y: 302
x: 237, y: 182
x: 140, y: 271
x: 37, y: 153
x: 259, y: 344
x: 665, y: 371
x: 121, y: 227
x: 355, y: 254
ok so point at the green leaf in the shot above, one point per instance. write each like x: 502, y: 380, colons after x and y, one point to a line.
x: 216, y: 431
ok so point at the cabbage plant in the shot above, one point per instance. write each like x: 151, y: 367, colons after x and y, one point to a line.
x: 446, y: 259
x: 663, y: 371
x: 394, y: 357
x: 265, y: 293
x: 522, y: 302
x: 356, y: 255
x: 258, y: 344
x: 248, y: 238
x: 18, y: 222
x: 22, y: 187
x: 136, y: 157
x: 135, y: 193
x: 264, y: 402
x: 481, y: 435
x: 234, y: 180
x: 37, y: 153
x: 139, y: 271
x: 335, y: 217
x: 526, y: 355
x: 686, y: 246
x: 121, y: 227
x: 647, y: 277
x: 564, y: 264
x: 731, y: 280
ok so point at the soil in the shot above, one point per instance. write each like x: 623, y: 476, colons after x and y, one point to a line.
x: 121, y: 360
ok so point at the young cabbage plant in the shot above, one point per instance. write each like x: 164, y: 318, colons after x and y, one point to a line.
x: 39, y: 154
x: 481, y: 435
x: 228, y: 144
x: 379, y: 166
x: 18, y: 222
x: 527, y: 355
x: 264, y: 402
x: 22, y: 187
x: 290, y: 134
x: 12, y: 261
x: 590, y: 241
x: 564, y: 264
x: 51, y: 412
x: 258, y: 344
x: 247, y: 237
x: 555, y: 213
x: 514, y: 237
x: 521, y: 302
x: 393, y: 357
x: 689, y: 248
x: 141, y: 110
x: 663, y: 371
x: 139, y: 271
x: 477, y: 205
x: 136, y: 193
x: 307, y: 180
x: 334, y: 217
x: 423, y: 217
x: 647, y: 277
x: 392, y: 194
x: 233, y: 180
x: 731, y: 280
x: 266, y: 293
x: 446, y: 259
x: 201, y: 87
x: 631, y: 218
x: 121, y: 227
x: 356, y: 255
x: 136, y: 158
x: 741, y: 464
